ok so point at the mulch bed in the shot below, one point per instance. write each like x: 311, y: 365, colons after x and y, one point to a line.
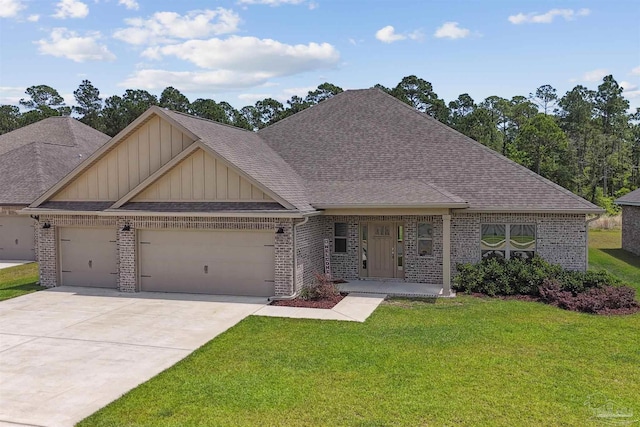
x: 298, y: 302
x: 605, y: 312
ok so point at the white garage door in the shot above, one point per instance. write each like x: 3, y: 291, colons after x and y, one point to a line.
x: 17, y: 239
x: 207, y: 262
x: 88, y: 257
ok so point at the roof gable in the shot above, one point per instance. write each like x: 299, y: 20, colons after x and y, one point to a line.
x: 128, y: 159
x: 368, y: 135
x: 201, y: 177
x: 249, y: 154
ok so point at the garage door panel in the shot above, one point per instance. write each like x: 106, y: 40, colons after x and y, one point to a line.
x: 17, y: 238
x: 88, y: 257
x: 212, y: 262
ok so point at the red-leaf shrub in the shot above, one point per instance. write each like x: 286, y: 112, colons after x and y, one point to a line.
x: 597, y: 300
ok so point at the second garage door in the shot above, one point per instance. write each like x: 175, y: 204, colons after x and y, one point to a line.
x: 209, y: 262
x: 88, y: 257
x: 17, y: 238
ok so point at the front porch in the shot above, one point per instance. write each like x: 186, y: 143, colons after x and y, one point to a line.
x: 393, y: 287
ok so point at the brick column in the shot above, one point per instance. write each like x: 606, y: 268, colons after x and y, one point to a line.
x: 284, y: 259
x: 126, y: 242
x: 47, y: 254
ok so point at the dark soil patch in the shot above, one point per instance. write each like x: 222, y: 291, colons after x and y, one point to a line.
x: 529, y: 298
x: 327, y: 303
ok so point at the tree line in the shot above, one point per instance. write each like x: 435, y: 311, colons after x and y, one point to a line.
x: 585, y: 140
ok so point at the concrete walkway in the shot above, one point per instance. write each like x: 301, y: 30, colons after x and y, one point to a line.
x: 12, y: 263
x: 354, y: 307
x: 67, y: 352
x: 393, y: 287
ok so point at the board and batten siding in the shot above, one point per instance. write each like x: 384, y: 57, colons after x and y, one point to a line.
x: 201, y: 177
x: 131, y: 161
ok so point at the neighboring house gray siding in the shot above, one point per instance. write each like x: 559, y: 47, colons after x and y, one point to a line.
x: 12, y: 211
x: 631, y: 229
x: 560, y: 238
x: 126, y: 244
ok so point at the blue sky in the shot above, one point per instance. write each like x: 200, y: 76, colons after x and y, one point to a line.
x: 244, y: 50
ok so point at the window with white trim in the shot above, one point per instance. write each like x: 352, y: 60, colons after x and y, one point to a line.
x: 508, y: 241
x: 425, y: 239
x: 340, y: 231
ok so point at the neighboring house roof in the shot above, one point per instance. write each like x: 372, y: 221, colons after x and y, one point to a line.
x: 35, y: 157
x: 630, y: 199
x: 373, y: 140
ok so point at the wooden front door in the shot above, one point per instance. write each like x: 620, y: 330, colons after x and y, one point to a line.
x: 381, y: 248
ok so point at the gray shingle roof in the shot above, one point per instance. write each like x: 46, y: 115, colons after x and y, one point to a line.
x: 367, y: 135
x: 410, y: 192
x: 247, y: 151
x: 630, y: 199
x: 35, y: 157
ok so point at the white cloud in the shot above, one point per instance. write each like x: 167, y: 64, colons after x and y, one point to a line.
x: 233, y: 63
x: 388, y: 35
x: 169, y: 26
x: 250, y: 54
x: 10, y: 8
x: 271, y: 2
x: 594, y: 75
x: 64, y: 43
x: 71, y: 9
x: 636, y: 71
x: 33, y: 18
x: 190, y: 81
x: 313, y: 5
x: 628, y: 86
x: 252, y: 98
x: 451, y: 30
x: 11, y: 95
x: 547, y: 17
x: 129, y: 4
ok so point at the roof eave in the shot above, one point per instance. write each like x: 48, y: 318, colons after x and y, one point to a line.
x: 623, y: 203
x: 536, y: 211
x: 122, y: 212
x: 390, y: 206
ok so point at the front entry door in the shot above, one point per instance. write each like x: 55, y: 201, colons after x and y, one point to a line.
x: 381, y: 248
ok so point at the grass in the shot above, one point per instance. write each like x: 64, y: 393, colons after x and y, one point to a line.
x: 18, y: 280
x: 605, y: 253
x: 461, y: 362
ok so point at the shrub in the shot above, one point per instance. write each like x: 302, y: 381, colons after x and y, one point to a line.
x: 524, y: 277
x: 501, y: 277
x: 322, y: 288
x: 605, y: 299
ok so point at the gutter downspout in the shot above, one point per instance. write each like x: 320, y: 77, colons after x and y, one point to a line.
x: 295, y: 266
x: 589, y: 221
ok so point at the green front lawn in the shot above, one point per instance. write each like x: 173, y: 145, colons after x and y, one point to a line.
x: 18, y: 280
x: 605, y: 253
x: 464, y: 361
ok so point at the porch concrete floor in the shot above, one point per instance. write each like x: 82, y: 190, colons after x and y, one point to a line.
x: 394, y: 288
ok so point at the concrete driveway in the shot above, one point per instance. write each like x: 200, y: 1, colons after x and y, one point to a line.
x: 67, y: 352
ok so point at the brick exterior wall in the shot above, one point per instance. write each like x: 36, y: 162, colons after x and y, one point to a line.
x: 631, y: 229
x: 309, y: 250
x: 12, y: 211
x: 126, y: 242
x: 425, y: 269
x: 560, y: 238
